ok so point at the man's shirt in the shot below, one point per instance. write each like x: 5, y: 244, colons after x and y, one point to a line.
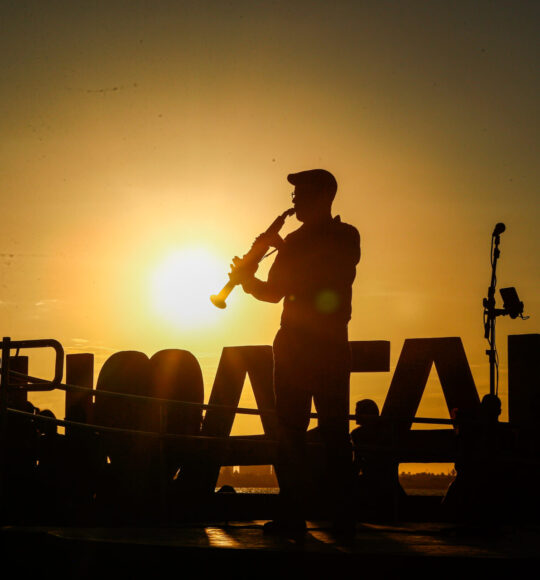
x: 313, y: 272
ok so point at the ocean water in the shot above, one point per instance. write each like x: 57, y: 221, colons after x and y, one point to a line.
x: 426, y: 492
x: 252, y: 490
x: 275, y: 490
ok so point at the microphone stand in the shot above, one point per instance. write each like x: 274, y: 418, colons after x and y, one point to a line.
x: 490, y: 315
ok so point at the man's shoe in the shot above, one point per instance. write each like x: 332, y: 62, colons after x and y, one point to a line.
x: 282, y: 527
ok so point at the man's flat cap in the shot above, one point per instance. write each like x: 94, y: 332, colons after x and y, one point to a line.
x: 316, y: 178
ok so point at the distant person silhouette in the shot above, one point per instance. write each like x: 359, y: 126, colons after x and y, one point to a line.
x: 19, y: 463
x: 481, y: 492
x: 313, y: 274
x: 378, y: 487
x: 495, y: 448
x: 52, y: 468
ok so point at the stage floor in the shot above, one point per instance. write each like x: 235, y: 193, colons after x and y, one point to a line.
x: 427, y: 547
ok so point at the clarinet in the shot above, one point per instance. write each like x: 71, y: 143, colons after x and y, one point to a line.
x: 254, y: 255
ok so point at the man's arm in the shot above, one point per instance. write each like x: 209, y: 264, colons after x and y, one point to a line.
x: 265, y: 291
x: 273, y: 289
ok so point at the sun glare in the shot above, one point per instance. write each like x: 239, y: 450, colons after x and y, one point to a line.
x: 181, y: 286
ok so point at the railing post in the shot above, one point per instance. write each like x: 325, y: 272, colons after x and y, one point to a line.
x: 4, y: 381
x: 162, y: 467
x: 5, y: 375
x: 395, y: 498
x: 17, y: 394
x: 80, y: 372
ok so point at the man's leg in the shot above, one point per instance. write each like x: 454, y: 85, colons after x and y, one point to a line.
x: 293, y: 407
x: 332, y: 404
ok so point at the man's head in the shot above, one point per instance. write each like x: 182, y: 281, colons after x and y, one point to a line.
x: 367, y: 412
x: 491, y: 407
x: 314, y: 193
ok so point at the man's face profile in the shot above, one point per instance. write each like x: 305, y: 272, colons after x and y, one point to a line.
x: 308, y: 202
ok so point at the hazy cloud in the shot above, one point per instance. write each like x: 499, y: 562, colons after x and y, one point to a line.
x: 97, y: 349
x: 47, y: 302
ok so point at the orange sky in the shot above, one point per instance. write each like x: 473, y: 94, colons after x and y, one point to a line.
x: 135, y: 130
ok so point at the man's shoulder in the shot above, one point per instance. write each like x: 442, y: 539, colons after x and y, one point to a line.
x: 345, y: 228
x: 345, y: 234
x: 334, y: 226
x: 335, y: 234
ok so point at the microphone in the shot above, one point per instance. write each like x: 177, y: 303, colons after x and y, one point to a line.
x: 499, y: 229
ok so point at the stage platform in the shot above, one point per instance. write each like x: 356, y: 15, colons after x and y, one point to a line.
x: 236, y: 548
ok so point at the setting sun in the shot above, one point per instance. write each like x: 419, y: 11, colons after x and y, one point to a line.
x: 181, y: 285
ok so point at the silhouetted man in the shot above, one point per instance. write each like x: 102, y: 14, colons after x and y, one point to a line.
x: 313, y: 273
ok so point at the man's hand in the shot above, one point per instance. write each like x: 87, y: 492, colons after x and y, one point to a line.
x: 272, y: 240
x: 242, y: 272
